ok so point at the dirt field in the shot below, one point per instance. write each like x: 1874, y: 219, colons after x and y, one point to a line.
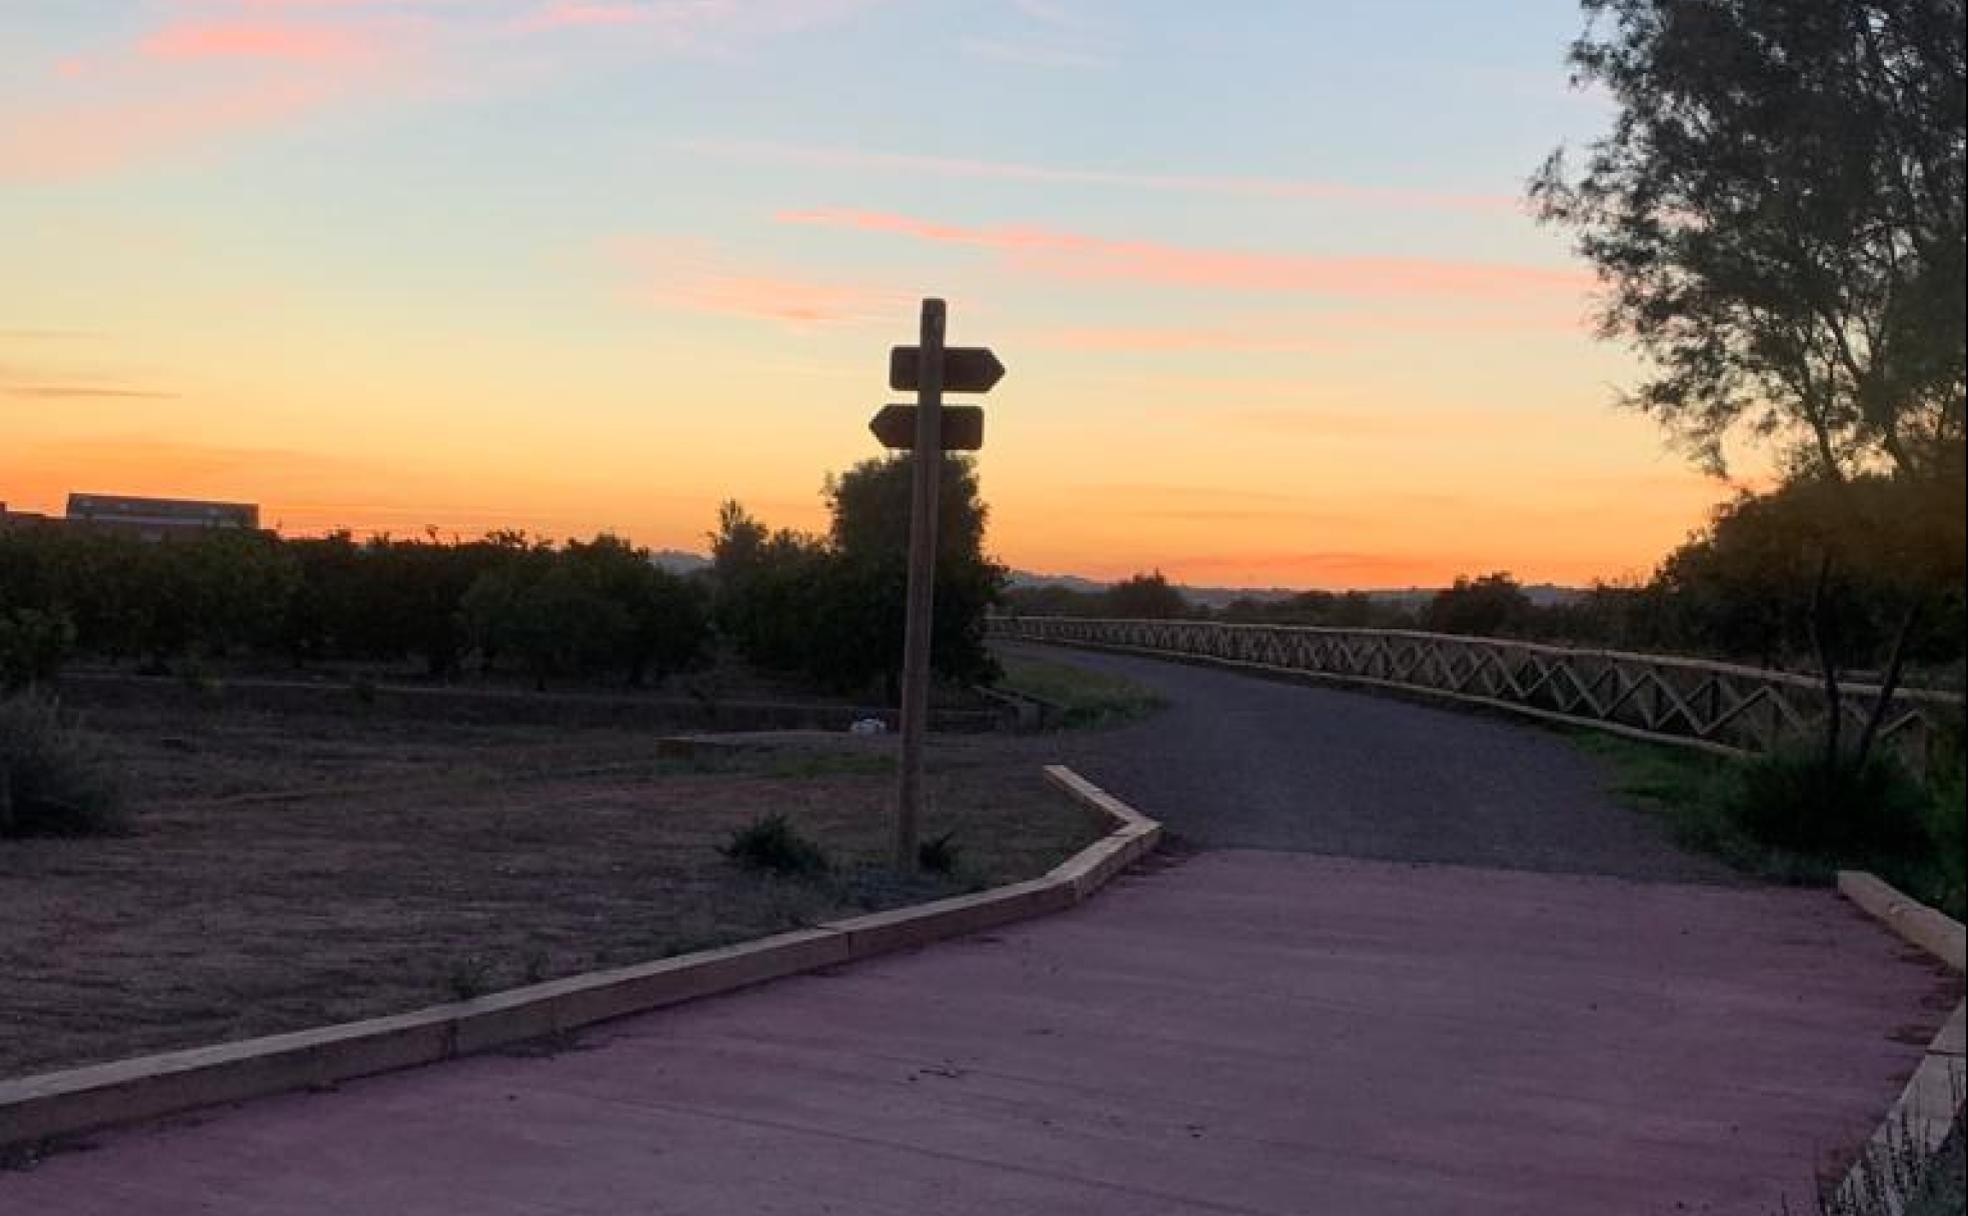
x: 286, y: 872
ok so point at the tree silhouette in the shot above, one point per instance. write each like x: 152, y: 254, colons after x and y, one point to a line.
x: 1778, y: 216
x: 1146, y: 597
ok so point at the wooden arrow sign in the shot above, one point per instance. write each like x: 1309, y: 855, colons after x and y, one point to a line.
x: 962, y: 425
x: 966, y: 369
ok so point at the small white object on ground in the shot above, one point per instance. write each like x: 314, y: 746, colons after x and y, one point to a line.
x: 868, y: 726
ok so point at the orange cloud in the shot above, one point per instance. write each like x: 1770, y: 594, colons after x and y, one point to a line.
x: 1332, y: 568
x: 1071, y: 255
x: 82, y: 392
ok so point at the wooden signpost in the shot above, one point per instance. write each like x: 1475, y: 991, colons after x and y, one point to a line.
x: 928, y: 429
x: 966, y: 369
x: 963, y: 427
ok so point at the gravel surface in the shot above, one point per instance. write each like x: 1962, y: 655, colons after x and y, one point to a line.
x: 1238, y: 761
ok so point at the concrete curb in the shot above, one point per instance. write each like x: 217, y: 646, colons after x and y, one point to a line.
x: 1935, y: 932
x: 50, y: 1105
x: 1922, y: 1116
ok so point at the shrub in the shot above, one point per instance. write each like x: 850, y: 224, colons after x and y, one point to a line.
x: 1852, y: 813
x: 941, y: 855
x: 33, y: 645
x: 1947, y: 826
x: 772, y: 843
x: 468, y: 976
x: 53, y: 781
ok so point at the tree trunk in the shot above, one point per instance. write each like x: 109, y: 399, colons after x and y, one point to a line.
x: 1827, y: 665
x: 1888, y: 685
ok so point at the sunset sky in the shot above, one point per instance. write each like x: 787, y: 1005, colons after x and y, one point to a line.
x: 1272, y: 310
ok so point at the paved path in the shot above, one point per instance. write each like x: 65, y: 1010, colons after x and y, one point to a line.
x: 1238, y: 761
x: 1241, y: 1033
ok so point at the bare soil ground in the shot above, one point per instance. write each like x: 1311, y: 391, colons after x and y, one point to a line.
x: 288, y: 871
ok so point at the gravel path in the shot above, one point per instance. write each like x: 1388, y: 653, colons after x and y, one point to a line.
x: 1238, y: 761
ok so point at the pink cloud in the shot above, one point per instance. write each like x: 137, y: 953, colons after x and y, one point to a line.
x: 317, y: 44
x: 573, y: 14
x: 770, y: 297
x: 100, y: 137
x: 219, y: 69
x: 1178, y: 183
x: 683, y: 22
x: 1071, y: 255
x: 1179, y: 339
x: 693, y: 277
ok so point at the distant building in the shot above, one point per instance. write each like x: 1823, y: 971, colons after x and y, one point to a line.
x: 159, y: 518
x: 10, y: 519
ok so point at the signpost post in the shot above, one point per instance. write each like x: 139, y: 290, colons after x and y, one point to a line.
x: 929, y: 430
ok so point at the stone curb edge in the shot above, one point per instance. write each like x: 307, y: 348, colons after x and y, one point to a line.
x: 51, y: 1105
x: 1924, y: 1113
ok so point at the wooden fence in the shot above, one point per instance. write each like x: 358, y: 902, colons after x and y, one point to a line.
x: 1720, y: 707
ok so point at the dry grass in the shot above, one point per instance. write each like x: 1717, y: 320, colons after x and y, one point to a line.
x: 292, y: 872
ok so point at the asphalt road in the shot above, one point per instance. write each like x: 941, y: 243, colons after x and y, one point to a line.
x: 1238, y: 761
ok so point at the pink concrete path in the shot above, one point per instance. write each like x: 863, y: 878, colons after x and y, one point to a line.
x: 1239, y: 1033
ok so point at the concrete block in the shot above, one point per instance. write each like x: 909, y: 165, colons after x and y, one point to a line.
x: 880, y: 932
x: 601, y: 995
x: 1938, y: 934
x: 73, y: 1100
x: 1950, y: 1040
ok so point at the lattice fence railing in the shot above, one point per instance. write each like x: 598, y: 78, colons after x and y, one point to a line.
x: 1719, y: 706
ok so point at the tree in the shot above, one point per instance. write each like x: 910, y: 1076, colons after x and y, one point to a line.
x: 1777, y: 215
x: 1342, y: 610
x: 870, y: 509
x: 663, y: 625
x: 33, y: 646
x: 1147, y: 597
x: 765, y: 589
x: 414, y: 590
x: 1488, y: 606
x: 833, y: 607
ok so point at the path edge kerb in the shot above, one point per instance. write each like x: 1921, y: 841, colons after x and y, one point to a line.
x: 1925, y: 1111
x: 73, y: 1101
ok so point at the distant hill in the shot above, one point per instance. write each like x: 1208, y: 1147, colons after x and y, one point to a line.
x: 1071, y: 582
x: 1214, y: 597
x: 678, y: 561
x: 1543, y: 595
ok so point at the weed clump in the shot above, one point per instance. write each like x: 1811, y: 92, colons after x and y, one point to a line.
x: 468, y: 976
x: 773, y: 844
x: 1796, y: 802
x: 940, y: 856
x: 53, y: 779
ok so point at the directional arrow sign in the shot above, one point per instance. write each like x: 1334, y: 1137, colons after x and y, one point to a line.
x: 963, y: 427
x: 966, y: 369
